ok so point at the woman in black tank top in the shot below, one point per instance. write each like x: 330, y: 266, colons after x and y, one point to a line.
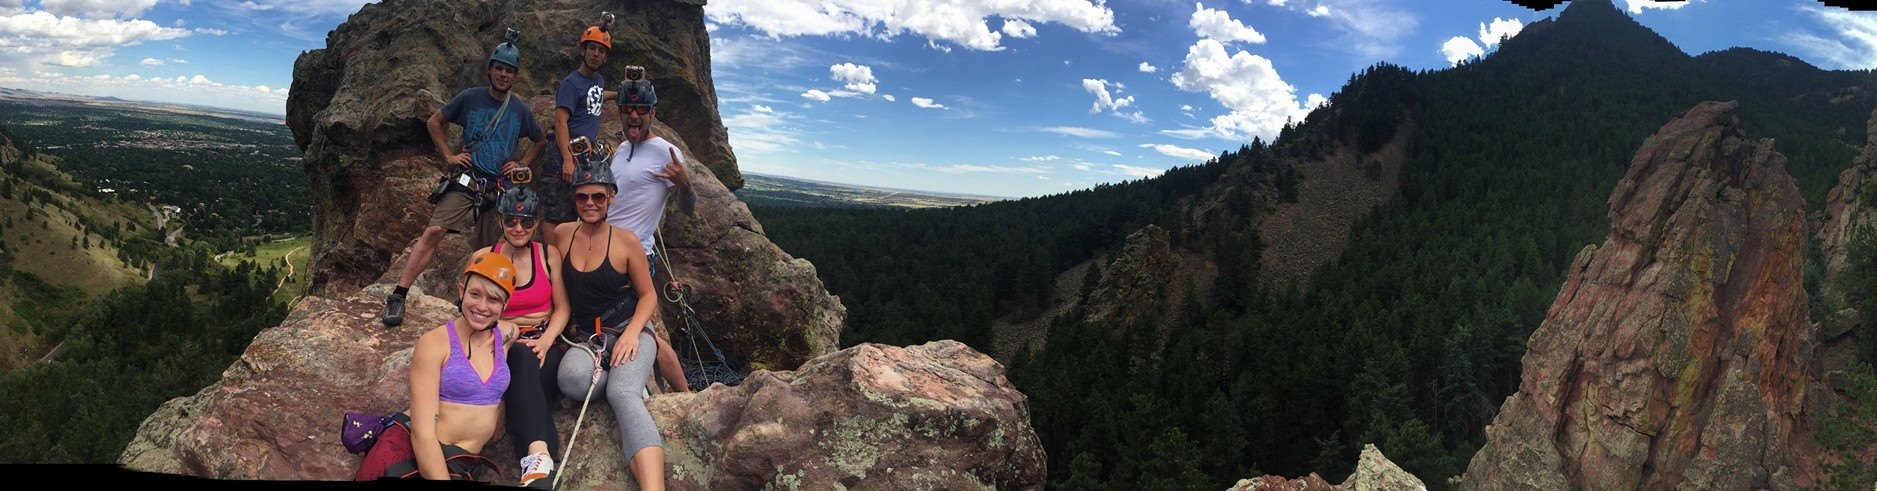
x: 609, y: 291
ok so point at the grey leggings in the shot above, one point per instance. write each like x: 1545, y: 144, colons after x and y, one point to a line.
x: 624, y: 386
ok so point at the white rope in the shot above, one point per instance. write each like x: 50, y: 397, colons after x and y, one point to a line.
x: 567, y: 456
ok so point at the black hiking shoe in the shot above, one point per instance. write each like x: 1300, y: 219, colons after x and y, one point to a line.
x: 394, y: 310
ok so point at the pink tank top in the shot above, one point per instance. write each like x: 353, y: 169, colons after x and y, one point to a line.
x: 538, y: 295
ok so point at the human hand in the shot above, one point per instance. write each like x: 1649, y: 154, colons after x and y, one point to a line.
x: 624, y: 350
x: 674, y: 170
x: 461, y: 160
x: 567, y: 167
x: 539, y: 347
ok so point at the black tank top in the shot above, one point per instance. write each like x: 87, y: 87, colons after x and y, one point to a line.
x: 593, y: 293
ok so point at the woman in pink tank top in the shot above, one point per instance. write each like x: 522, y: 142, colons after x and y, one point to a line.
x: 539, y: 308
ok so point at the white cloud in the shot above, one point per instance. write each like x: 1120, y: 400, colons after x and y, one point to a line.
x: 925, y: 103
x: 1279, y: 3
x: 211, y: 32
x: 1636, y: 6
x: 1138, y: 171
x: 1104, y: 100
x: 179, y: 61
x: 957, y: 22
x: 97, y: 9
x: 1852, y: 43
x: 816, y: 95
x: 1489, y: 35
x: 762, y: 109
x: 1186, y: 107
x: 859, y: 78
x: 1459, y: 49
x: 30, y: 40
x: 1219, y: 25
x: 762, y: 131
x: 1135, y: 117
x: 888, y: 97
x: 1111, y: 152
x: 1146, y: 68
x: 151, y: 62
x: 1372, y: 29
x: 12, y: 6
x: 188, y: 90
x: 1178, y: 151
x: 1040, y: 158
x: 1082, y: 166
x: 1247, y: 85
x: 1080, y: 132
x: 250, y: 5
x: 1018, y: 29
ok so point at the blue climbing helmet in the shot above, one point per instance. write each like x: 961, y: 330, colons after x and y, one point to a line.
x: 506, y: 52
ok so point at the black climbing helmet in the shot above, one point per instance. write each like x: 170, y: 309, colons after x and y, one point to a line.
x: 519, y: 201
x: 595, y: 171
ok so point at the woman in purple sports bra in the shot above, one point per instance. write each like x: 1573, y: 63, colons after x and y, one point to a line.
x: 458, y: 374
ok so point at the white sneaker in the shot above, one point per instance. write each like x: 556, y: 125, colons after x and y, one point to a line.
x: 535, y: 466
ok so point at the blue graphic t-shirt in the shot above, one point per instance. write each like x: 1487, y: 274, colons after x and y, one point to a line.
x: 472, y: 109
x: 583, y: 97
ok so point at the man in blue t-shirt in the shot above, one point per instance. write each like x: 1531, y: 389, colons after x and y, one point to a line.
x: 493, y: 122
x: 577, y: 105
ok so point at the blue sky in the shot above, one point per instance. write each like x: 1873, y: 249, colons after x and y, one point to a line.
x: 991, y: 97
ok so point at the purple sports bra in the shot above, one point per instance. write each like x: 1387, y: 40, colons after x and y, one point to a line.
x: 461, y: 384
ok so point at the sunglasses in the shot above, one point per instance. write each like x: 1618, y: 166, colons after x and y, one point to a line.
x: 523, y: 222
x: 590, y: 197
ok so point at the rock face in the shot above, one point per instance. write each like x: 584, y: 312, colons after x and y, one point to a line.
x: 1845, y: 205
x: 1671, y: 357
x: 1847, y: 212
x: 357, y: 108
x: 1374, y: 472
x: 935, y: 416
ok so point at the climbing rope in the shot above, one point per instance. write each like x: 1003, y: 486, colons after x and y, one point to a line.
x: 598, y: 369
x: 699, y: 372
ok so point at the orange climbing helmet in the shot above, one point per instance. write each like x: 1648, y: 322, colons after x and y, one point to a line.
x: 599, y: 34
x: 494, y: 266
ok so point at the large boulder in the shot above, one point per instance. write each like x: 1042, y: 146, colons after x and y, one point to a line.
x: 357, y: 108
x: 1672, y: 357
x: 934, y: 416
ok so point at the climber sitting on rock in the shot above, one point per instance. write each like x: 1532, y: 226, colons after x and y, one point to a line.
x: 457, y: 378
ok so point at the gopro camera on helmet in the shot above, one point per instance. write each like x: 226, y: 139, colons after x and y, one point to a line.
x: 606, y: 21
x: 635, y: 72
x: 511, y: 35
x: 521, y: 175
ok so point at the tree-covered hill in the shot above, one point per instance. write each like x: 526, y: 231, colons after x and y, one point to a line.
x: 1409, y: 339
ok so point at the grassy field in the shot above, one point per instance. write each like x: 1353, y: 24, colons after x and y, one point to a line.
x: 290, y: 255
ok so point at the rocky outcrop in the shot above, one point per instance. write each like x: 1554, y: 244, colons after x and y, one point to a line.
x: 357, y: 108
x: 934, y: 416
x: 1846, y: 209
x: 1374, y: 472
x: 1672, y: 355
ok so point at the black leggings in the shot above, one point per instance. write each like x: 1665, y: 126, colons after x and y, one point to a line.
x: 531, y: 393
